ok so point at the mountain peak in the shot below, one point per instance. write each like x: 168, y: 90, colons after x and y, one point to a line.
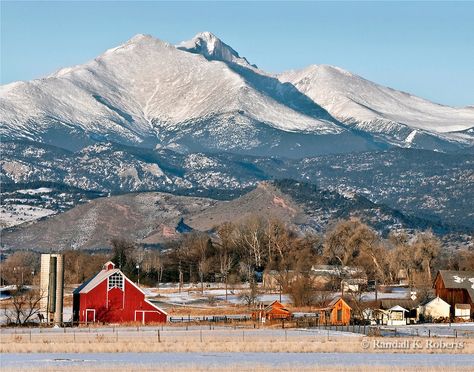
x: 212, y: 48
x: 140, y: 37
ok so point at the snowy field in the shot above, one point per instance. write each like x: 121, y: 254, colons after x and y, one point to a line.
x: 431, y: 330
x: 171, y: 361
x: 191, y: 332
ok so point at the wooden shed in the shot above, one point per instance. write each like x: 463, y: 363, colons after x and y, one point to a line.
x: 456, y: 288
x: 336, y: 312
x: 273, y: 311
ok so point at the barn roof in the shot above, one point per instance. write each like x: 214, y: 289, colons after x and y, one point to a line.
x: 453, y: 279
x: 95, y: 281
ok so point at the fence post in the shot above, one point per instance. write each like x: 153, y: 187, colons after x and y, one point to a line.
x: 74, y: 335
x: 429, y: 332
x: 116, y: 336
x: 200, y: 334
x: 158, y: 335
x: 30, y: 335
x: 286, y: 335
x: 243, y: 335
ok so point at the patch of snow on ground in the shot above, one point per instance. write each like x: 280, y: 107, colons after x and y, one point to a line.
x: 41, y: 190
x: 16, y: 214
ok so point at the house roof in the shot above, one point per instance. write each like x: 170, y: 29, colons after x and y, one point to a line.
x: 403, y: 302
x: 398, y: 308
x: 462, y: 306
x: 453, y: 279
x: 329, y: 305
x: 436, y: 299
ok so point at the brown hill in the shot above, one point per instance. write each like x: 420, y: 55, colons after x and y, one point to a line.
x: 149, y: 218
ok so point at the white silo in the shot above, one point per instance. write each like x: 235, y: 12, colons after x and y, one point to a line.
x: 52, y: 287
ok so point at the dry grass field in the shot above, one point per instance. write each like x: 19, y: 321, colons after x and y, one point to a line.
x: 214, y: 341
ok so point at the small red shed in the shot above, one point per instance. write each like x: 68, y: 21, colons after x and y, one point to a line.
x: 274, y: 311
x: 111, y: 297
x: 336, y: 312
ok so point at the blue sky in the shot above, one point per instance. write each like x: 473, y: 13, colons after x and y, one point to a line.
x: 425, y: 48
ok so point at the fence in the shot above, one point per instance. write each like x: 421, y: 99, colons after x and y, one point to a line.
x: 210, y: 318
x: 165, y: 334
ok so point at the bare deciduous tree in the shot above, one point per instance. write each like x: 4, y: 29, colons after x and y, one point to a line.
x: 25, y: 306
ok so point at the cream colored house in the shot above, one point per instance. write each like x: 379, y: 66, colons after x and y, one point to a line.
x: 435, y: 309
x: 397, y: 316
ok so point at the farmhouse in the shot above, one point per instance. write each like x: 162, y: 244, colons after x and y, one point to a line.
x: 393, y: 312
x: 397, y: 315
x: 274, y: 311
x: 336, y: 312
x: 111, y: 297
x: 456, y: 288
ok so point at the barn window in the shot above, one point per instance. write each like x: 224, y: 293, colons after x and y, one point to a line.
x: 339, y: 315
x: 116, y: 280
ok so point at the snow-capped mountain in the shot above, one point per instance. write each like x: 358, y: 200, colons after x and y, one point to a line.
x: 396, y: 117
x: 202, y: 96
x: 148, y: 92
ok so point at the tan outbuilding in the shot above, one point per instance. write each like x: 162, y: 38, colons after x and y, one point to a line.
x: 436, y: 308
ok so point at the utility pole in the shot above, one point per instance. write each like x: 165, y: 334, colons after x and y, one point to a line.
x: 138, y: 275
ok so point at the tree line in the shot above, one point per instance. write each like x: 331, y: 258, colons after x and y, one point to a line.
x: 242, y: 251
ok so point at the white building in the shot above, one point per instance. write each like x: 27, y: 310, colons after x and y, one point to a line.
x: 435, y: 309
x: 462, y: 311
x: 396, y: 316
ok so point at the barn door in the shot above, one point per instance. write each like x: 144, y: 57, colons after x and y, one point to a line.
x: 90, y: 316
x: 140, y: 316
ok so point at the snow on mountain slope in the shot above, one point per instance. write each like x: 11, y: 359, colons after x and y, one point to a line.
x: 202, y: 96
x: 141, y: 91
x: 211, y: 47
x: 377, y: 109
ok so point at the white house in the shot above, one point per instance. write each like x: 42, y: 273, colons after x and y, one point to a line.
x: 396, y: 316
x: 435, y: 309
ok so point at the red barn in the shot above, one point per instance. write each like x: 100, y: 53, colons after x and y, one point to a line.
x: 455, y: 288
x: 111, y: 297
